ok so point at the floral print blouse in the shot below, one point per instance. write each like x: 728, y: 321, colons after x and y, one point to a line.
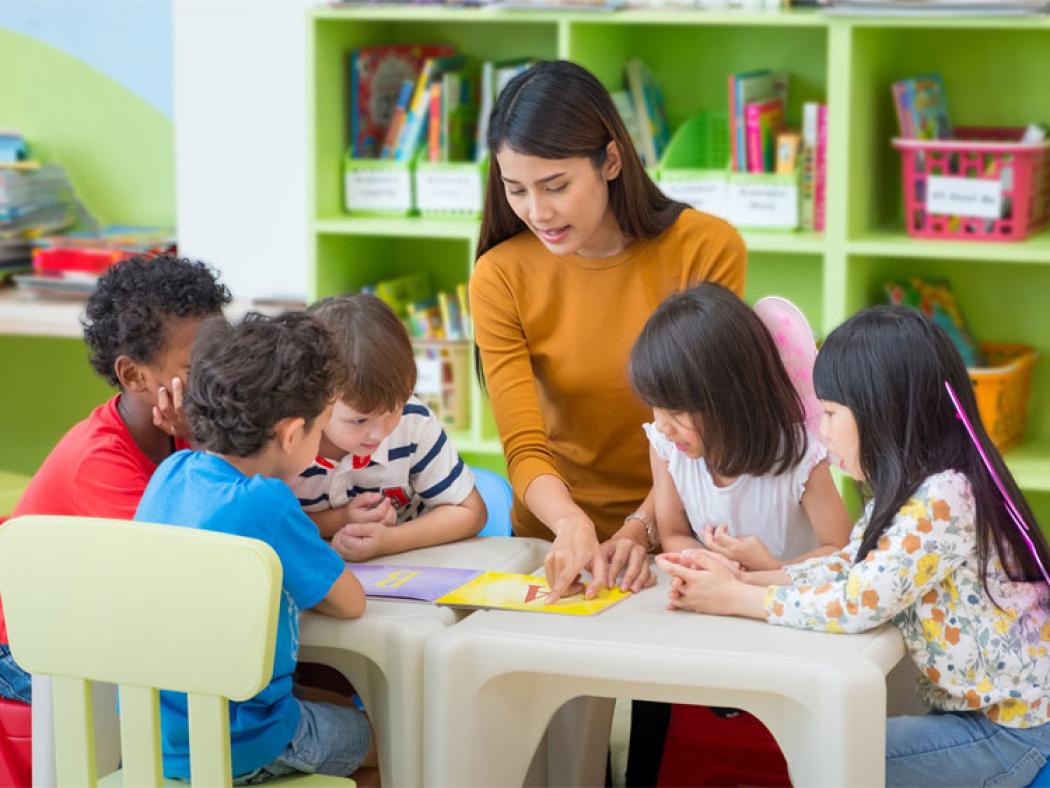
x: 923, y: 576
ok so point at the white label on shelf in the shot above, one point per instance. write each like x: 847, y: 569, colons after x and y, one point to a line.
x: 979, y: 197
x: 449, y: 190
x: 773, y: 205
x: 710, y: 196
x: 378, y: 190
x: 428, y: 376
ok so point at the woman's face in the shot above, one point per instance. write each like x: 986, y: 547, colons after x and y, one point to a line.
x: 565, y: 202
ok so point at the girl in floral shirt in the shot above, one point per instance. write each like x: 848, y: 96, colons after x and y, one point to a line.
x: 935, y: 552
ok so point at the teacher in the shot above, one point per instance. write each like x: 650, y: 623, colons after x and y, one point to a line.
x: 577, y: 248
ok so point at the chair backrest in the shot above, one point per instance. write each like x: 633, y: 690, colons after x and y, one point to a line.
x: 146, y: 607
x: 499, y: 498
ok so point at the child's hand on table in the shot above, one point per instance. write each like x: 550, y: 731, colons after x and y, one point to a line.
x: 702, y: 582
x: 361, y: 541
x: 750, y: 551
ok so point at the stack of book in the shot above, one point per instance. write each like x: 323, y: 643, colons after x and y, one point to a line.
x: 68, y: 266
x: 403, y: 97
x: 761, y: 141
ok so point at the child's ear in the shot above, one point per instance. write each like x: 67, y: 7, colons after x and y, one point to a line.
x: 288, y: 432
x: 613, y: 164
x: 129, y: 374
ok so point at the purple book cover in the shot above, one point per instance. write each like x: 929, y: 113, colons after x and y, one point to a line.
x: 422, y: 583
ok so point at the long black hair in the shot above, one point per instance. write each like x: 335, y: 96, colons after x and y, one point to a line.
x: 888, y: 365
x: 706, y: 353
x: 559, y: 110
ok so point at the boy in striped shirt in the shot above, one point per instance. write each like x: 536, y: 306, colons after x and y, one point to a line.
x: 386, y: 479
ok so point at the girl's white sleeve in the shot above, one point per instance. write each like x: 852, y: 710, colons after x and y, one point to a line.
x: 660, y: 444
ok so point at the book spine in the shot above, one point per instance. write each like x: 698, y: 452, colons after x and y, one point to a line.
x: 902, y: 104
x: 397, y: 120
x: 771, y: 122
x: 820, y: 184
x: 434, y: 125
x: 464, y: 308
x: 636, y: 87
x: 355, y: 118
x: 416, y: 116
x: 809, y: 160
x: 732, y: 123
x: 787, y: 152
x: 753, y: 137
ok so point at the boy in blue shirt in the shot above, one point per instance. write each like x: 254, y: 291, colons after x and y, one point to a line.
x: 260, y: 393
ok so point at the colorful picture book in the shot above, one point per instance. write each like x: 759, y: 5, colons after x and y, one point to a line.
x: 922, y: 108
x: 421, y: 583
x: 376, y: 77
x: 507, y: 591
x: 473, y: 588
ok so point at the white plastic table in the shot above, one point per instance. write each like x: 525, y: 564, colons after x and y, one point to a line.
x: 495, y: 679
x: 381, y: 653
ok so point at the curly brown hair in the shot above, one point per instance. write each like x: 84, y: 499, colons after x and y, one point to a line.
x: 248, y: 376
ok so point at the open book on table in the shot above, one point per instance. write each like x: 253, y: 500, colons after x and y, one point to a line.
x: 471, y: 588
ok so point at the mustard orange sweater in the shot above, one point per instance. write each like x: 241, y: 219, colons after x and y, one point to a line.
x: 555, y: 334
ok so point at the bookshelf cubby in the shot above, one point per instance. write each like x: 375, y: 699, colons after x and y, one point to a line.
x: 993, y: 69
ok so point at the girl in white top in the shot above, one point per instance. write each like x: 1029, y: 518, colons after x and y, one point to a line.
x: 734, y: 469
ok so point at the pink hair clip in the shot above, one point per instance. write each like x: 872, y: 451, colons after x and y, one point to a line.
x: 1011, y: 508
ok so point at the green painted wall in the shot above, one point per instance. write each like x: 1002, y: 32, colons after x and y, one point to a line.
x: 119, y: 153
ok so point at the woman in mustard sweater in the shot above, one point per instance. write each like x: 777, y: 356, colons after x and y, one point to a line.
x: 577, y: 248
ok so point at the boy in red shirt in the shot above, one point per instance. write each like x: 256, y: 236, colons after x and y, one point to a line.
x: 139, y: 325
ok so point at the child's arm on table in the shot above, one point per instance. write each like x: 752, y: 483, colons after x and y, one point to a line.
x: 345, y: 599
x: 826, y: 512
x: 379, y: 534
x: 330, y: 521
x: 671, y: 521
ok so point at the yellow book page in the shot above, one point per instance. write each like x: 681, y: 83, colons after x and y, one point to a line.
x: 507, y: 591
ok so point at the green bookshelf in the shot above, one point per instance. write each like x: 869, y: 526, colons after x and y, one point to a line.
x: 993, y: 69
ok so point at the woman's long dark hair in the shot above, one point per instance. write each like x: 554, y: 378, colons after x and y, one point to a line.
x: 706, y: 353
x: 888, y: 365
x: 559, y: 110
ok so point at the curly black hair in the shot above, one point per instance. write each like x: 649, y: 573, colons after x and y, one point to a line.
x: 248, y: 376
x: 128, y: 312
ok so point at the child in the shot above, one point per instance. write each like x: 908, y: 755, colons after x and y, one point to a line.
x: 935, y: 551
x: 139, y: 325
x: 258, y: 398
x: 385, y: 460
x: 733, y: 468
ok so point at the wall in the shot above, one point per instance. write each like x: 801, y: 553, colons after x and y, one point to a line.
x: 240, y: 142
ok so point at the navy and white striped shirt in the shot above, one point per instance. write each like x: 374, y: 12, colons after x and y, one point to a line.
x: 416, y: 467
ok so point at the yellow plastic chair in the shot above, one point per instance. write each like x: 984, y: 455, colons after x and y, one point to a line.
x: 146, y: 607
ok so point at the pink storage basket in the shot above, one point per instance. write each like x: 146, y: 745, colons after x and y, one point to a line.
x: 1022, y: 171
